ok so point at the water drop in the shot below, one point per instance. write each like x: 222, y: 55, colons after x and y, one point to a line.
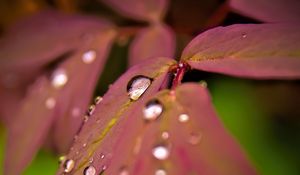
x: 84, y: 145
x: 137, y: 86
x: 244, y: 36
x: 50, y: 103
x: 59, y: 78
x: 61, y: 159
x: 89, y: 56
x: 102, y: 156
x: 75, y: 112
x: 104, y: 167
x: 165, y: 135
x: 160, y: 152
x: 91, y: 110
x: 123, y: 171
x: 195, y: 138
x: 160, y: 172
x: 69, y: 165
x: 98, y: 99
x: 203, y: 83
x: 152, y: 110
x: 85, y: 118
x: 90, y: 170
x: 183, y: 118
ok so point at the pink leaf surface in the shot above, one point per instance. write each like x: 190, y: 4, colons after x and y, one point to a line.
x: 144, y: 10
x: 198, y: 145
x: 269, y: 10
x: 154, y: 41
x: 100, y: 134
x: 262, y: 51
x: 51, y: 105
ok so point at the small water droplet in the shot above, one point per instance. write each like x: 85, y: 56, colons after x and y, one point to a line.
x: 50, y: 103
x: 59, y: 78
x: 123, y: 171
x: 102, y: 156
x: 98, y: 99
x: 203, y: 83
x: 91, y: 160
x: 160, y: 152
x: 90, y: 170
x: 152, y: 110
x: 76, y: 112
x: 195, y: 138
x: 84, y: 145
x: 85, y: 118
x: 104, y: 167
x: 91, y: 110
x: 137, y: 86
x: 61, y: 159
x: 160, y: 172
x: 69, y: 165
x: 89, y: 56
x: 183, y: 118
x: 244, y: 36
x: 165, y: 135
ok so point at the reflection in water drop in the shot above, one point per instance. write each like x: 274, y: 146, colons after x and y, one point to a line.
x: 90, y: 170
x: 183, y: 118
x: 89, y: 56
x: 152, y: 110
x: 98, y: 99
x: 195, y: 138
x: 59, y: 78
x: 50, y: 103
x: 160, y: 152
x: 69, y: 165
x: 160, y: 172
x: 137, y: 86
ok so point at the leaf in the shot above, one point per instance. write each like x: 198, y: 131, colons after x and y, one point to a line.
x: 102, y: 131
x: 50, y: 105
x: 154, y: 41
x: 144, y: 10
x: 268, y: 11
x: 200, y: 145
x: 262, y: 51
x: 38, y: 40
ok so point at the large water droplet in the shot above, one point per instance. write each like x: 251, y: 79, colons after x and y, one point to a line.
x: 137, y: 86
x: 160, y: 152
x: 160, y: 172
x: 89, y: 56
x: 183, y: 118
x: 50, y: 103
x: 152, y: 110
x: 59, y: 78
x: 69, y: 165
x: 90, y: 170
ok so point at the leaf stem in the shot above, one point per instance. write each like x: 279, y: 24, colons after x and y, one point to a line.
x: 180, y: 69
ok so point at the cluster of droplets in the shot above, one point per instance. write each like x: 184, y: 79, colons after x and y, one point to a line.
x: 92, y: 108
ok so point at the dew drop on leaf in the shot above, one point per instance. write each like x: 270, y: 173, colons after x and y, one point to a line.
x: 91, y: 110
x: 123, y: 171
x: 50, y: 103
x: 244, y: 36
x: 98, y: 99
x: 160, y: 172
x: 59, y: 78
x: 183, y: 118
x: 137, y: 86
x: 195, y: 138
x: 90, y: 170
x: 76, y: 112
x: 203, y: 83
x: 102, y: 156
x: 84, y: 145
x: 61, y: 159
x: 89, y: 56
x: 69, y: 165
x: 152, y: 110
x: 85, y: 118
x: 160, y: 152
x: 165, y: 135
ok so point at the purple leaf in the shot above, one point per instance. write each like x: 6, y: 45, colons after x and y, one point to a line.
x: 268, y: 10
x: 38, y: 40
x: 144, y: 10
x: 154, y: 41
x: 100, y: 134
x: 54, y: 98
x: 262, y: 51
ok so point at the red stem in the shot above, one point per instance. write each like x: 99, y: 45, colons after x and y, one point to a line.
x: 181, y: 68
